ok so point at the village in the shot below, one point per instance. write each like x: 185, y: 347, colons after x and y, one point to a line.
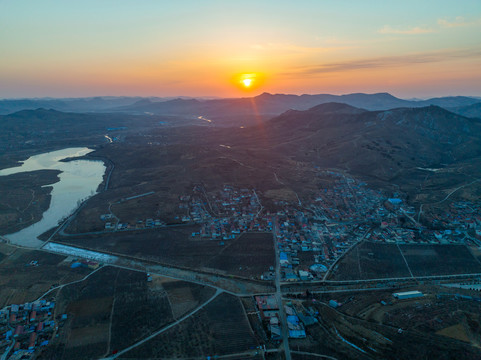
x: 298, y: 318
x: 25, y: 328
x: 313, y: 236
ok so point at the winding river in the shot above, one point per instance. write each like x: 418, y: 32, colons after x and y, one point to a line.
x: 79, y: 179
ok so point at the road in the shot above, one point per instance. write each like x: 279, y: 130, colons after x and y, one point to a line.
x: 259, y: 202
x: 7, y: 351
x: 340, y: 290
x: 411, y: 218
x: 328, y: 272
x: 404, y: 258
x: 282, y: 311
x: 70, y: 283
x: 152, y: 270
x: 151, y: 336
x: 314, y: 354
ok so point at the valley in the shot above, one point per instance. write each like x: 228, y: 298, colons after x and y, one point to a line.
x: 197, y: 219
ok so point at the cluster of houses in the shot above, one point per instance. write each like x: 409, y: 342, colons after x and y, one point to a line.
x: 346, y: 199
x: 461, y: 214
x: 390, y: 234
x: 308, y: 247
x: 234, y: 211
x: 459, y: 223
x: 310, y: 239
x: 26, y: 328
x: 297, y: 321
x: 311, y: 236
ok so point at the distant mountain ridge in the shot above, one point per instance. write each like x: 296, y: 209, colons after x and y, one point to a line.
x: 264, y: 104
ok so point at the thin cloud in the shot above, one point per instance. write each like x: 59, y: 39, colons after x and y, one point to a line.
x: 459, y: 21
x: 388, y: 61
x: 287, y: 47
x: 411, y: 31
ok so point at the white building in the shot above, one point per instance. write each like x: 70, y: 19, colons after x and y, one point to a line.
x: 408, y: 295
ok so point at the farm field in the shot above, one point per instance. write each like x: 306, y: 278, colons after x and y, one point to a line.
x: 114, y: 308
x: 371, y: 260
x: 184, y: 296
x: 428, y: 260
x: 21, y: 282
x: 221, y: 328
x: 248, y: 256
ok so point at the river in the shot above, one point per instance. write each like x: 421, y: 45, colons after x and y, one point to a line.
x: 79, y: 179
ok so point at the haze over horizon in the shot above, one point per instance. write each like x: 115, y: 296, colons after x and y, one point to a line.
x: 189, y: 48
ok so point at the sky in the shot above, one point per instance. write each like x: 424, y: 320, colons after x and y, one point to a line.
x: 76, y: 48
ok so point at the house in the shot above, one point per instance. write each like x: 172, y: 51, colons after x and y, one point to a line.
x: 32, y: 341
x: 296, y: 329
x: 284, y: 260
x: 276, y: 333
x: 333, y: 303
x: 19, y: 330
x: 304, y: 275
x: 408, y: 295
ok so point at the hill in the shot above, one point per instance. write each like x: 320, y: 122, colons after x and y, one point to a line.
x: 472, y: 111
x: 228, y: 111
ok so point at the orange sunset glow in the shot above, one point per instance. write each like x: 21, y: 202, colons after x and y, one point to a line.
x: 240, y: 179
x: 247, y: 82
x: 159, y: 49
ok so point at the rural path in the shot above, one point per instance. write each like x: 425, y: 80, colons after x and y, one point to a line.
x: 70, y: 283
x: 424, y: 277
x: 411, y: 218
x: 260, y: 205
x: 151, y: 336
x: 282, y: 312
x: 314, y: 354
x: 340, y: 290
x: 404, y: 258
x: 7, y: 351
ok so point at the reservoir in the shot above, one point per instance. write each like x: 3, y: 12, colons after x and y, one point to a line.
x: 79, y: 179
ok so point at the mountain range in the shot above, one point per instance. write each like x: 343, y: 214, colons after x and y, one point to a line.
x: 238, y: 110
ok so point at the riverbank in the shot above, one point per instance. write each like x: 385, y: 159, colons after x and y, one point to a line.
x: 77, y: 181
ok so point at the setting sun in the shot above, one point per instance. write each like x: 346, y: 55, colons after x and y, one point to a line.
x: 247, y: 82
